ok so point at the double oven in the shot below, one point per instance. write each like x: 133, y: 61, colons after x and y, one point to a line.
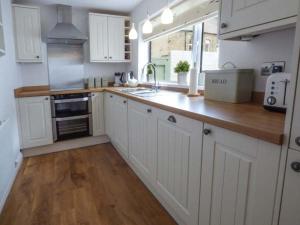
x: 71, y: 116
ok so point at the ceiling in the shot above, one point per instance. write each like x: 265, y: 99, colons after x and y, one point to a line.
x: 110, y: 5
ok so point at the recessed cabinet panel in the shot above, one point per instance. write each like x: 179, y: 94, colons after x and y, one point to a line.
x: 98, y: 113
x: 35, y: 119
x: 116, y: 36
x: 27, y: 33
x: 98, y: 38
x: 241, y: 14
x: 238, y: 180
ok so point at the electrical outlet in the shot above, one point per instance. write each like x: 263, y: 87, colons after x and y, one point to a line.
x: 268, y: 68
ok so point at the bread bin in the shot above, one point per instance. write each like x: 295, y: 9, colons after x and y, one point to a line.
x: 229, y: 85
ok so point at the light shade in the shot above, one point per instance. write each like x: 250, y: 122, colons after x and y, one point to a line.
x: 167, y: 16
x: 147, y: 27
x: 132, y: 33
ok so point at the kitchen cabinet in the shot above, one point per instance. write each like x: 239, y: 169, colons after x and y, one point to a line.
x: 98, y: 113
x: 179, y: 150
x: 27, y: 33
x: 244, y: 17
x: 107, y: 38
x: 116, y: 122
x: 142, y: 136
x: 35, y: 121
x: 290, y: 211
x: 238, y: 178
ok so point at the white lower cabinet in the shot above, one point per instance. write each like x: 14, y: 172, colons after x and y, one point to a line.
x: 290, y: 211
x: 116, y: 121
x: 98, y: 114
x: 35, y: 121
x: 238, y: 179
x: 142, y: 132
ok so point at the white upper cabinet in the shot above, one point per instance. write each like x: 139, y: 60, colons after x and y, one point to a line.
x: 107, y: 38
x: 179, y: 145
x: 98, y: 37
x: 238, y: 179
x: 142, y: 132
x: 98, y: 114
x: 243, y: 17
x: 290, y: 212
x: 35, y: 121
x: 27, y: 33
x: 116, y: 36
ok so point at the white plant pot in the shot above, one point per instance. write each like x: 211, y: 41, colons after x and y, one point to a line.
x: 182, y: 78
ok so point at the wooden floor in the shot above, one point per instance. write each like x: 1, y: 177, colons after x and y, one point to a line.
x: 87, y: 186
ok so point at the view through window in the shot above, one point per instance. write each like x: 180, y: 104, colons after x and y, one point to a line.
x: 168, y: 50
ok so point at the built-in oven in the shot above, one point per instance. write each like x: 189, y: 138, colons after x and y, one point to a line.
x: 71, y: 116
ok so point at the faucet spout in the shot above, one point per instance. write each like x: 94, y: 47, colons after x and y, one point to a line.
x: 155, y: 86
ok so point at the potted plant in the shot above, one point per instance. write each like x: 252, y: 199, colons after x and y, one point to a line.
x: 182, y: 68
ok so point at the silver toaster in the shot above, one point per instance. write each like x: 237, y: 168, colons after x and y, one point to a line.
x: 276, y: 93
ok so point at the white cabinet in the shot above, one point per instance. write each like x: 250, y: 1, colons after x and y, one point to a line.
x: 120, y: 128
x: 116, y: 122
x: 238, y: 179
x: 179, y: 149
x: 98, y: 113
x: 107, y: 38
x: 27, y: 33
x: 142, y: 132
x: 290, y: 211
x: 35, y: 121
x: 242, y: 17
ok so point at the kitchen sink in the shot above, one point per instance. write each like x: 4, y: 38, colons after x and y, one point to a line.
x: 141, y: 92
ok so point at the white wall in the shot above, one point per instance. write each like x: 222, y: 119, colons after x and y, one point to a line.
x: 275, y: 46
x: 9, y: 80
x: 37, y: 74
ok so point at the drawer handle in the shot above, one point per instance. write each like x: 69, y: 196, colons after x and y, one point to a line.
x: 172, y: 119
x: 111, y: 96
x: 149, y: 110
x: 296, y: 166
x: 124, y: 101
x: 224, y: 25
x: 297, y: 141
x: 206, y: 131
x: 46, y: 98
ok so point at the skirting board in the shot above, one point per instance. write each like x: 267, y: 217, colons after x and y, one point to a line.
x: 65, y: 145
x: 18, y: 164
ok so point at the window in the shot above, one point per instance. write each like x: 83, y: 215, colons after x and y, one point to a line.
x: 166, y: 51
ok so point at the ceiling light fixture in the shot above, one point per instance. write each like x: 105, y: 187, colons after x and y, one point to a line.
x: 167, y: 16
x: 132, y: 33
x: 147, y: 27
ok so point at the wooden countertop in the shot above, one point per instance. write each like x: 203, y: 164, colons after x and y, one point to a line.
x: 249, y: 119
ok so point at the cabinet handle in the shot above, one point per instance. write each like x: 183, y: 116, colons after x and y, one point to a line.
x: 206, y: 131
x: 224, y: 25
x: 110, y: 57
x: 124, y: 101
x: 37, y: 56
x: 111, y: 96
x: 296, y: 166
x: 46, y: 98
x: 149, y: 110
x: 172, y: 119
x: 297, y: 140
x: 105, y: 57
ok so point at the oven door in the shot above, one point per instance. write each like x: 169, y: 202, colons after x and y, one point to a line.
x: 71, y: 107
x: 72, y: 127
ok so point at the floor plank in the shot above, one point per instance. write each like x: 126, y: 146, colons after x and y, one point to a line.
x: 88, y: 186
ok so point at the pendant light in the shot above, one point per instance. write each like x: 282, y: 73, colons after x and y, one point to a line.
x: 167, y: 15
x: 132, y: 33
x: 147, y: 27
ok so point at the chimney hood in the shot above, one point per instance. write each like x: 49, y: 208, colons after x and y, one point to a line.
x: 64, y: 31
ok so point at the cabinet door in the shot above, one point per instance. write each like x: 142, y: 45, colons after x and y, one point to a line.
x: 98, y: 114
x: 142, y: 131
x: 120, y: 128
x: 35, y: 119
x: 98, y: 37
x: 238, y: 180
x: 241, y: 14
x: 116, y: 37
x: 179, y: 143
x: 290, y: 212
x: 27, y: 33
x: 108, y: 114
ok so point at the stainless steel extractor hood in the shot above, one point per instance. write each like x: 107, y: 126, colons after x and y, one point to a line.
x: 64, y: 31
